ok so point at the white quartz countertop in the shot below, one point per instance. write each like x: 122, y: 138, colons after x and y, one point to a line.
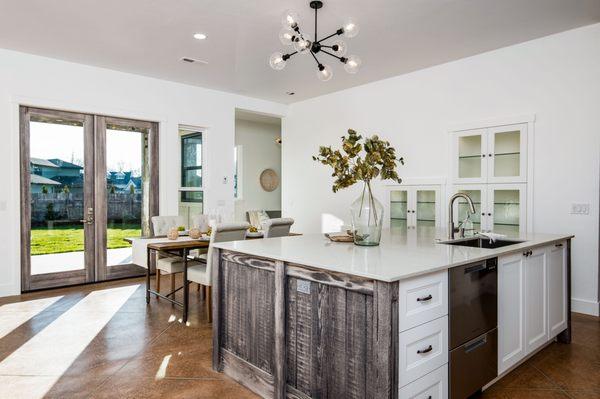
x: 403, y: 253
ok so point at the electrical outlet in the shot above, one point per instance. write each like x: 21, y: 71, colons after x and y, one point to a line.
x: 580, y: 209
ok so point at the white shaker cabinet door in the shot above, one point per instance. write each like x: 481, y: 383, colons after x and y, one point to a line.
x: 536, y: 304
x: 557, y: 289
x: 511, y: 306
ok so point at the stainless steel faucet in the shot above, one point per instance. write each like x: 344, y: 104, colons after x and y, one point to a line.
x: 451, y: 229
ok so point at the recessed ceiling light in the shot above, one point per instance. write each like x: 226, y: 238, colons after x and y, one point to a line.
x: 200, y: 36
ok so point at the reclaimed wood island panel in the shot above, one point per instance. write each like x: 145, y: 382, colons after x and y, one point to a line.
x: 288, y: 330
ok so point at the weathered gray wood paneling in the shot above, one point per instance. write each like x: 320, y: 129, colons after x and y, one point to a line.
x: 335, y: 335
x: 247, y: 319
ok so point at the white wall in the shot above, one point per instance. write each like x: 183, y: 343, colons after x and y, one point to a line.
x: 259, y: 152
x: 44, y: 82
x: 556, y: 78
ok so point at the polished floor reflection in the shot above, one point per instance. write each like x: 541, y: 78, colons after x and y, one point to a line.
x: 102, y: 341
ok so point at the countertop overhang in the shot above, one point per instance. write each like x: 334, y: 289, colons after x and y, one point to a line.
x: 402, y: 253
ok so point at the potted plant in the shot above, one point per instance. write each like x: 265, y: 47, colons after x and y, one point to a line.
x: 362, y: 160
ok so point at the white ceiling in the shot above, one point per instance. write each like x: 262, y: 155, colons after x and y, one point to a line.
x: 148, y: 37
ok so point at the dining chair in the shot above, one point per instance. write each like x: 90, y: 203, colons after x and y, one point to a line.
x: 279, y: 227
x: 167, y: 264
x: 201, y: 273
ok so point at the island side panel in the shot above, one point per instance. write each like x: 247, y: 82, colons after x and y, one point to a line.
x: 335, y: 334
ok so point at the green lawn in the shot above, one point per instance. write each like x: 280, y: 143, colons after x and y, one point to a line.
x: 69, y: 238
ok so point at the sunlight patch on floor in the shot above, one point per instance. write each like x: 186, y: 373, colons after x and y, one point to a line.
x: 42, y: 360
x: 12, y: 315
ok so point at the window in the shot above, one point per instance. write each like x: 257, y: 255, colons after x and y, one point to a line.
x: 191, y: 160
x: 191, y: 191
x: 237, y: 176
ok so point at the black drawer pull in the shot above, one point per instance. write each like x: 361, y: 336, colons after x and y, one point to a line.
x: 474, y: 345
x: 558, y: 245
x: 424, y: 298
x: 426, y: 350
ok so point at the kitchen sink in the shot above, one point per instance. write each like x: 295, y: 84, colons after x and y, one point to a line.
x: 481, y: 242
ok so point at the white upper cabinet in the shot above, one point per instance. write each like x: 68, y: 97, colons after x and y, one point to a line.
x: 491, y: 155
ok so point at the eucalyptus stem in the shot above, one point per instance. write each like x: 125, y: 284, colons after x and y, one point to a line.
x: 372, y: 202
x: 362, y: 200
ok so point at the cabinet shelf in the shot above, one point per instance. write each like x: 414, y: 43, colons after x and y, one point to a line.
x: 507, y: 153
x: 469, y: 156
x: 398, y: 202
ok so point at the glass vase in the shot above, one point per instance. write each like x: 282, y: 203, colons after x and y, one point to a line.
x: 367, y: 218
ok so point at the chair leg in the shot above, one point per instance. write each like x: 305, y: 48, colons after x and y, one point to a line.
x: 172, y: 275
x: 209, y: 302
x: 157, y: 281
x: 198, y: 287
x: 202, y: 292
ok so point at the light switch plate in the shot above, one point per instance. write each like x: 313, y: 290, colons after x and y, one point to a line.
x: 580, y: 209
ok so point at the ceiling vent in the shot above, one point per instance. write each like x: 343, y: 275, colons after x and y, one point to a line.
x: 189, y: 60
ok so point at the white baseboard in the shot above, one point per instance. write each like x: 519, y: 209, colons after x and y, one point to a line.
x: 585, y: 306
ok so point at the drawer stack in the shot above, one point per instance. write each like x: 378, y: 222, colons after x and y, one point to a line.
x: 423, y: 342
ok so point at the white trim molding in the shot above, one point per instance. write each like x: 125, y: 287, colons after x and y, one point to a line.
x: 585, y: 306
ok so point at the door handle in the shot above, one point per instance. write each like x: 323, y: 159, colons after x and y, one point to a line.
x: 474, y: 345
x: 476, y: 268
x: 426, y: 350
x: 425, y: 298
x: 90, y: 217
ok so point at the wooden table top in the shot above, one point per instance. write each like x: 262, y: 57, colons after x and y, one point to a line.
x: 130, y: 240
x: 178, y: 244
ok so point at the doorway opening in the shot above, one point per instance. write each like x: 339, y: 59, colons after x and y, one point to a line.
x: 257, y: 176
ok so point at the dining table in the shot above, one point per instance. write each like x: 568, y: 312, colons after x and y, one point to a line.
x: 181, y: 248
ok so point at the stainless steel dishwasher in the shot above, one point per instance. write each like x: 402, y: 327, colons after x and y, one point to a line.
x: 473, y: 327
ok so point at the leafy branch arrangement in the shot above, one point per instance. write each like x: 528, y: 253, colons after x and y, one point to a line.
x: 350, y: 165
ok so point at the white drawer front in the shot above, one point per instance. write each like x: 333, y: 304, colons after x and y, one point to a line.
x: 422, y: 299
x: 433, y: 385
x: 422, y: 350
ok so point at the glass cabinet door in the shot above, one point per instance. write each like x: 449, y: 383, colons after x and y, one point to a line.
x: 461, y: 207
x: 471, y: 155
x: 426, y: 207
x: 506, y: 155
x: 506, y: 210
x: 398, y: 208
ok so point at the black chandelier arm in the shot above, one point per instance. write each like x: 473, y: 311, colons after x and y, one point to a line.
x: 316, y: 59
x: 337, y: 32
x: 315, y: 38
x: 286, y: 57
x: 342, y: 59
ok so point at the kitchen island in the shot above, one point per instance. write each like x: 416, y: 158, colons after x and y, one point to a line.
x: 304, y: 317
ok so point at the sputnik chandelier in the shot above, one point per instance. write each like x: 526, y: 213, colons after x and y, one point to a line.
x: 303, y: 44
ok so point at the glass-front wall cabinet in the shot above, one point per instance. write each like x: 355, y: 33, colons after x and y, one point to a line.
x: 492, y: 155
x: 499, y: 207
x: 415, y: 206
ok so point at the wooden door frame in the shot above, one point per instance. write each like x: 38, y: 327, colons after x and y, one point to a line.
x: 95, y: 268
x: 103, y: 272
x: 33, y: 282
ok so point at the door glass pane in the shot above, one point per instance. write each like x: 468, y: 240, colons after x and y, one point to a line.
x: 506, y: 211
x: 127, y: 178
x: 469, y: 156
x: 398, y: 208
x: 57, y: 169
x: 463, y: 208
x: 425, y: 208
x: 507, y: 156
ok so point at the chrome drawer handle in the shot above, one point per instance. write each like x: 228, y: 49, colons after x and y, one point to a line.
x: 425, y: 298
x: 426, y: 350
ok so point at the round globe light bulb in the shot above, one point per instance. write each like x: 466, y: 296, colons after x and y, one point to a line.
x: 276, y: 61
x: 286, y: 36
x: 302, y: 44
x: 339, y: 48
x: 290, y: 19
x: 352, y: 64
x: 350, y: 28
x: 325, y: 73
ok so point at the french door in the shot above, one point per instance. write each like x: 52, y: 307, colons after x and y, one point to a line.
x: 87, y: 183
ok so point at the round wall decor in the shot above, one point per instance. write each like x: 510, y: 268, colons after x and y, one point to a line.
x: 269, y: 180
